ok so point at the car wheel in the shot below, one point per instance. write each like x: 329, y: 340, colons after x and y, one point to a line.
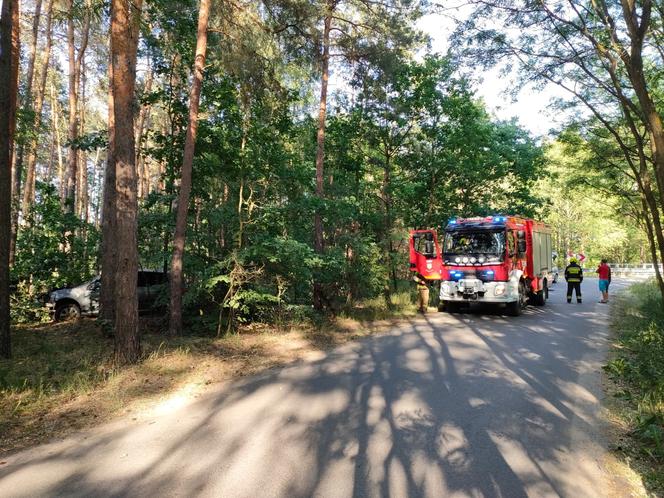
x: 67, y: 312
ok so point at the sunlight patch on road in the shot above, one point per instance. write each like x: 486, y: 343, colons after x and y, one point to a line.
x: 530, y: 473
x: 418, y: 360
x: 177, y: 400
x: 453, y: 447
x: 375, y: 406
x: 477, y: 402
x: 578, y: 400
x: 528, y: 354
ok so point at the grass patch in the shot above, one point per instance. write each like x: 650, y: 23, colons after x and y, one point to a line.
x: 62, y: 377
x: 636, y: 369
x: 401, y: 304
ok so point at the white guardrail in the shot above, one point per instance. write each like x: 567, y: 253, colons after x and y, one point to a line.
x: 644, y: 270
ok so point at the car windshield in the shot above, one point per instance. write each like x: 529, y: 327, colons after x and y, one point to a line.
x: 480, y: 242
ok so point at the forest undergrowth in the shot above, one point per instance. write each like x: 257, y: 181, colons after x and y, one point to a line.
x: 636, y: 372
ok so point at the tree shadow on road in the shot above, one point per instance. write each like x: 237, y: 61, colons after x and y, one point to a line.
x: 441, y: 406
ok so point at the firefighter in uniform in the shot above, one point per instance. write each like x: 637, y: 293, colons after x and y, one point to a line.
x: 422, y: 293
x: 574, y: 277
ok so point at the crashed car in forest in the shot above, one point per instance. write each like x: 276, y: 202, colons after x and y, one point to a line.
x: 83, y: 300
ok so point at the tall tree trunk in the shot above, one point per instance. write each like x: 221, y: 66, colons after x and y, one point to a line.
x: 9, y: 53
x: 386, y: 192
x: 29, y: 79
x: 108, y: 228
x: 108, y: 223
x: 72, y: 129
x: 51, y: 157
x: 653, y: 121
x: 125, y: 17
x: 17, y: 173
x: 74, y: 69
x: 29, y: 188
x: 652, y: 213
x: 55, y: 123
x: 93, y: 206
x: 14, y: 70
x: 645, y: 213
x: 82, y: 205
x: 187, y: 163
x: 143, y: 180
x: 638, y: 26
x: 246, y: 114
x: 82, y: 201
x: 29, y: 75
x: 320, y: 150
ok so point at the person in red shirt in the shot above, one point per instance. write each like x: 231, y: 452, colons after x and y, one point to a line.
x: 604, y: 272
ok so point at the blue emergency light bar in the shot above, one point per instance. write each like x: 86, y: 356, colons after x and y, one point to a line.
x: 480, y: 220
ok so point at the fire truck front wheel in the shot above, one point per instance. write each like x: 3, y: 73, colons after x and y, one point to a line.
x: 541, y: 296
x: 515, y: 308
x: 449, y: 307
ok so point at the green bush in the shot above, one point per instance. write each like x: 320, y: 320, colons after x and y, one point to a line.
x: 26, y: 306
x: 54, y: 249
x: 639, y: 321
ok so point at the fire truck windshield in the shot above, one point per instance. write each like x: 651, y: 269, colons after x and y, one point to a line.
x: 464, y: 242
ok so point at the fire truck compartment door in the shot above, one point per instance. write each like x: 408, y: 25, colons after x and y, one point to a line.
x: 425, y: 255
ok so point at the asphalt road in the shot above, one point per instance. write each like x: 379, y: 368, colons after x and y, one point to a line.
x: 473, y: 404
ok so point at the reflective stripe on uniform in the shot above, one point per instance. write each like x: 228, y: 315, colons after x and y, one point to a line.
x: 573, y: 274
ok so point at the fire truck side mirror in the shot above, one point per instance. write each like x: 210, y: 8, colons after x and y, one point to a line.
x: 522, y: 246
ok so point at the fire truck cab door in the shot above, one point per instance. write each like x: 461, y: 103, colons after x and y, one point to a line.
x: 425, y: 257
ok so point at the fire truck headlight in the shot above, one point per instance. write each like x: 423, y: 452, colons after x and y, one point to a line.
x: 465, y: 259
x: 499, y: 290
x: 482, y: 259
x: 457, y: 260
x: 447, y: 290
x: 472, y: 260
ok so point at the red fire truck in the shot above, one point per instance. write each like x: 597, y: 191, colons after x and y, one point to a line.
x: 492, y: 259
